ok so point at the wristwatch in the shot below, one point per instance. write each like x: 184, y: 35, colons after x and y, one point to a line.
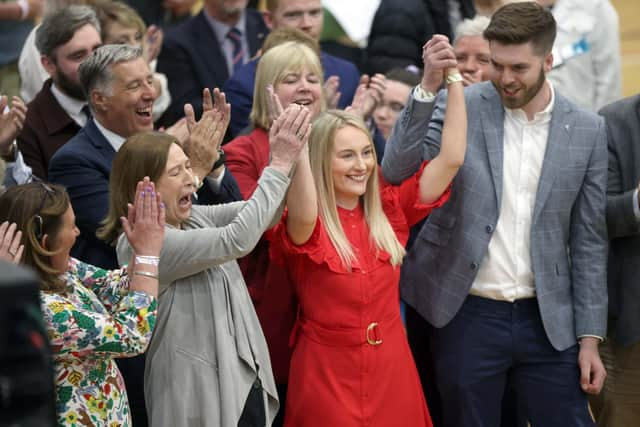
x: 221, y: 159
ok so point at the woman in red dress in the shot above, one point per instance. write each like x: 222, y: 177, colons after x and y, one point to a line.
x: 343, y: 241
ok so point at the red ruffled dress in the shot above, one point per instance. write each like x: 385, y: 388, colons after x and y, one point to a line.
x: 351, y: 363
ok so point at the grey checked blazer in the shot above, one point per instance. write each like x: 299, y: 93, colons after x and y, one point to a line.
x: 568, y: 231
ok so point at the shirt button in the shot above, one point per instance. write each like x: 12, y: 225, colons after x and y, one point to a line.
x: 474, y: 265
x: 489, y: 229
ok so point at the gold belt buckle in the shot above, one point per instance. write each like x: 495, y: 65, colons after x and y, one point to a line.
x: 370, y: 328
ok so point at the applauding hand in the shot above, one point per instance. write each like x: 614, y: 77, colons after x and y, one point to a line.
x: 10, y: 247
x: 144, y: 224
x: 207, y: 134
x: 368, y: 95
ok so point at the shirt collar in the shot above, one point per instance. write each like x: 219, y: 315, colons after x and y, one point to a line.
x: 544, y: 115
x: 113, y: 138
x: 221, y: 29
x: 71, y: 105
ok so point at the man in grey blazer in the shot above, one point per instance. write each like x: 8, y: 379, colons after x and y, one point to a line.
x: 511, y: 271
x: 619, y: 403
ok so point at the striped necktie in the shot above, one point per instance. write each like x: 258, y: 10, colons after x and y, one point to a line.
x: 235, y: 36
x: 86, y: 111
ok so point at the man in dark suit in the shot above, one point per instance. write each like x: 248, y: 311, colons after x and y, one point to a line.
x: 619, y: 403
x: 203, y: 51
x: 511, y: 270
x: 306, y: 16
x: 59, y: 110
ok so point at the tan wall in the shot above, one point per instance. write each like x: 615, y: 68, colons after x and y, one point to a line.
x: 629, y: 13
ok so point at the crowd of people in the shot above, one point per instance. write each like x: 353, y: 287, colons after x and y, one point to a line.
x: 234, y: 226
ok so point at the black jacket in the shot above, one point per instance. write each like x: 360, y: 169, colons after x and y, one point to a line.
x: 401, y: 27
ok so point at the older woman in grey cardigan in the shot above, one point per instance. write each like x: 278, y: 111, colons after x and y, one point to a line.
x: 207, y: 363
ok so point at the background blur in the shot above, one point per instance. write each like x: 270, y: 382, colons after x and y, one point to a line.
x: 629, y: 12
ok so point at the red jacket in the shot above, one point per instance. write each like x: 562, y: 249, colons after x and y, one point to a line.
x: 270, y: 287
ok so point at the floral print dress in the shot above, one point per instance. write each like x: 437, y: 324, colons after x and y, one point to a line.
x: 97, y: 319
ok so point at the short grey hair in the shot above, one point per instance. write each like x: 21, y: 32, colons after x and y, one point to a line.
x: 60, y: 26
x: 471, y: 27
x: 95, y: 70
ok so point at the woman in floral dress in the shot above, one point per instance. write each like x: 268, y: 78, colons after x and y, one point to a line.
x: 92, y: 315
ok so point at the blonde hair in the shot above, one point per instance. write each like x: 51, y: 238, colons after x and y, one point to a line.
x: 321, y: 145
x: 273, y: 67
x: 283, y: 35
x: 116, y: 12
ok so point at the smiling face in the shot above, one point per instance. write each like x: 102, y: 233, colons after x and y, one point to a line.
x: 352, y: 163
x: 393, y: 99
x: 63, y: 241
x: 176, y: 186
x: 519, y: 76
x: 300, y: 87
x: 63, y: 66
x: 127, y: 110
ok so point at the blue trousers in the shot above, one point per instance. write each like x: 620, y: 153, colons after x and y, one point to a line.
x: 491, y: 347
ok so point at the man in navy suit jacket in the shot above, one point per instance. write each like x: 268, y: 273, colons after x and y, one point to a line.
x: 196, y: 54
x: 304, y: 15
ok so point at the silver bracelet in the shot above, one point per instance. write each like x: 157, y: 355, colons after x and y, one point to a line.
x: 149, y: 260
x: 146, y: 274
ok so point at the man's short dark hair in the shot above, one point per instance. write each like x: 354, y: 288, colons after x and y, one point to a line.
x: 523, y: 22
x: 60, y: 26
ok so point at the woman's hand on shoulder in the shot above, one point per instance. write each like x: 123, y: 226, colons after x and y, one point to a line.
x: 144, y: 224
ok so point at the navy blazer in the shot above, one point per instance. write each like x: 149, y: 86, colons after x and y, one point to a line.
x: 239, y: 88
x: 192, y: 60
x: 83, y: 166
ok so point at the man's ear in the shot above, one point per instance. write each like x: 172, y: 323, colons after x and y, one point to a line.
x: 266, y: 15
x: 48, y: 65
x: 98, y: 101
x: 548, y: 62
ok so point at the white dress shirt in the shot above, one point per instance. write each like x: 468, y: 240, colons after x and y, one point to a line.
x: 72, y: 106
x: 506, y: 273
x: 114, y: 139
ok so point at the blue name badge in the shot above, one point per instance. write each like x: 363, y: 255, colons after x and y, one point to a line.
x: 568, y: 51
